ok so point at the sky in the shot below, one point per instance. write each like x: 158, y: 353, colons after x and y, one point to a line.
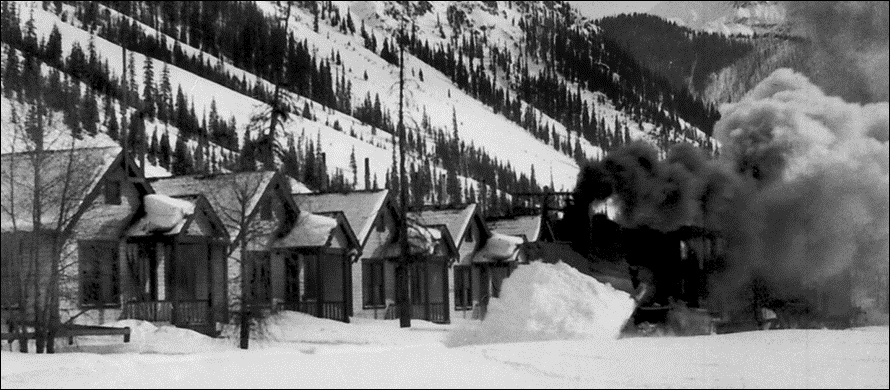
x: 599, y: 9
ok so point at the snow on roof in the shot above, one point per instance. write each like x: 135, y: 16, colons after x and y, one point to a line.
x: 104, y: 221
x: 297, y: 187
x: 226, y: 193
x: 457, y: 220
x: 499, y: 247
x: 525, y: 226
x: 64, y: 174
x: 421, y: 239
x: 163, y: 214
x: 155, y: 171
x: 360, y: 208
x: 310, y: 231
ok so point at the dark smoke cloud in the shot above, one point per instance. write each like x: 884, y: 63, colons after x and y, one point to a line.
x: 850, y: 46
x: 800, y: 190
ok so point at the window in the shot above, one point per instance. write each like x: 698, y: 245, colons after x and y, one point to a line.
x: 310, y: 278
x: 99, y: 284
x: 380, y: 223
x: 292, y: 279
x: 113, y: 192
x: 373, y: 284
x: 10, y: 271
x: 266, y: 211
x: 261, y: 277
x: 463, y: 288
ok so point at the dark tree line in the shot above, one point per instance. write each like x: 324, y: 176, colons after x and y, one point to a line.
x: 677, y: 53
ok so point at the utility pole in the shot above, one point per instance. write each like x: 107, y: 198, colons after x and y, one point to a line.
x: 402, y: 298
x: 125, y: 92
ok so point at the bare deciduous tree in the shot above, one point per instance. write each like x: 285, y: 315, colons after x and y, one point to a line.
x: 46, y: 177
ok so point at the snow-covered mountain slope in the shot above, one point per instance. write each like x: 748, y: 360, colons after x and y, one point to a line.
x: 430, y: 94
x: 727, y: 17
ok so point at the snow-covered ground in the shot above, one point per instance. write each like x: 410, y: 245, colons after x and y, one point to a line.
x: 380, y: 354
x: 296, y: 350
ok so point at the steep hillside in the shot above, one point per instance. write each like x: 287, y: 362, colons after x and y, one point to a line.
x: 501, y: 97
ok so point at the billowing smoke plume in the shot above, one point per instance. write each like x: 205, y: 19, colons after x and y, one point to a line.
x: 800, y: 190
x: 850, y: 42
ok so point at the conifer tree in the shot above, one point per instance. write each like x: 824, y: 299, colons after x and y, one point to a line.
x: 164, y: 152
x: 72, y: 111
x: 149, y: 97
x: 181, y: 163
x: 354, y: 166
x: 112, y: 128
x: 165, y: 95
x: 90, y: 114
x: 52, y: 52
x: 11, y: 78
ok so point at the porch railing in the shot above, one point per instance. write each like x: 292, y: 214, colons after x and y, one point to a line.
x: 331, y: 310
x: 437, y: 312
x: 179, y: 313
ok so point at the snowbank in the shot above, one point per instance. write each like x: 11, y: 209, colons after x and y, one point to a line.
x: 308, y: 333
x: 146, y: 338
x: 542, y: 302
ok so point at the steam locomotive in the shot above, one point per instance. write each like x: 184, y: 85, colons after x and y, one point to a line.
x: 678, y: 277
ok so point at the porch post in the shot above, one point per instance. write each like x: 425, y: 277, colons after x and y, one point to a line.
x: 318, y: 281
x: 211, y: 308
x: 426, y: 288
x: 447, y: 309
x: 347, y: 286
x: 174, y: 260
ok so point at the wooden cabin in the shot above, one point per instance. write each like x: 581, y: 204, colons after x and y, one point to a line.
x: 375, y: 218
x: 309, y: 268
x: 432, y: 254
x: 253, y: 207
x: 114, y: 264
x: 176, y: 271
x: 88, y: 196
x: 292, y: 260
x: 466, y: 283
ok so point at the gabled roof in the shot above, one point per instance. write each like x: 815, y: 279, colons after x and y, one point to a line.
x: 528, y: 227
x: 64, y: 173
x: 343, y: 222
x: 231, y: 195
x: 361, y: 208
x: 456, y: 219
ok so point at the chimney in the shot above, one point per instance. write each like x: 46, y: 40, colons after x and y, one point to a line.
x: 446, y: 197
x: 324, y: 171
x: 367, y: 173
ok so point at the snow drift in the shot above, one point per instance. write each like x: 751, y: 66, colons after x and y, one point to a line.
x: 146, y: 338
x: 541, y: 302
